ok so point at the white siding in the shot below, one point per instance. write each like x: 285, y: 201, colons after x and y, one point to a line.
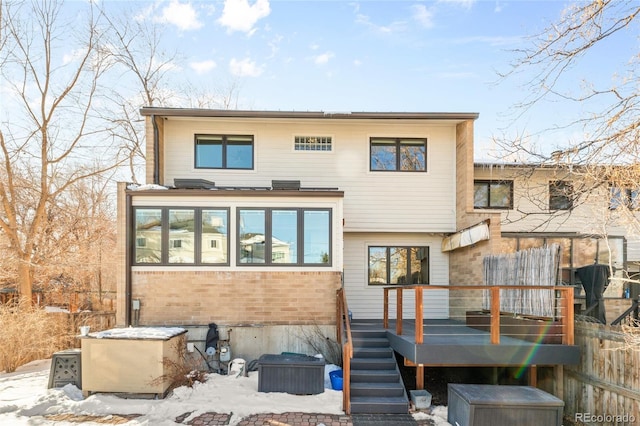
x: 366, y: 302
x: 413, y: 202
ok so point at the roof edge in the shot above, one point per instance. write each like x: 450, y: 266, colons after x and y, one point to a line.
x: 235, y: 113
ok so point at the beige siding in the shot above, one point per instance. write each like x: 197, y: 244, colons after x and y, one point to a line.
x: 531, y: 208
x: 413, y: 202
x: 366, y: 302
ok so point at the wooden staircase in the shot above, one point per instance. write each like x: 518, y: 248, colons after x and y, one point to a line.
x: 376, y: 384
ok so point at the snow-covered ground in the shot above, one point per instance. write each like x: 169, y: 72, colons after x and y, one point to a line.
x: 25, y: 400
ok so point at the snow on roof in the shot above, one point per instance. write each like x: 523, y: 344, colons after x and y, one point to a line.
x: 156, y: 333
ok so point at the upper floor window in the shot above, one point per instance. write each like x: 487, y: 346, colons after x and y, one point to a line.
x: 489, y: 194
x: 284, y: 236
x: 398, y: 265
x: 398, y: 154
x: 312, y: 143
x: 168, y: 236
x: 224, y: 152
x: 629, y: 198
x: 560, y: 195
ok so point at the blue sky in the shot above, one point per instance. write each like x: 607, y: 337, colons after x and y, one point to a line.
x: 375, y: 56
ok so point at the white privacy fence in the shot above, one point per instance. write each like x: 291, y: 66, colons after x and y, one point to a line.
x: 531, y: 267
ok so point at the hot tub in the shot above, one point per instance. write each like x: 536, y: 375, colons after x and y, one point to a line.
x: 130, y: 360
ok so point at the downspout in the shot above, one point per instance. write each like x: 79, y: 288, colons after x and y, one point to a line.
x: 156, y: 154
x: 127, y: 255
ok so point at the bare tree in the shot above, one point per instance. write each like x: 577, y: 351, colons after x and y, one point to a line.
x: 602, y: 164
x: 611, y: 130
x: 49, y: 138
x: 152, y: 76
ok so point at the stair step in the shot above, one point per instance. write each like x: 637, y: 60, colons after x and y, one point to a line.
x: 373, y: 352
x: 377, y: 376
x: 377, y: 389
x: 358, y: 363
x: 368, y: 404
x: 369, y: 334
x: 377, y: 342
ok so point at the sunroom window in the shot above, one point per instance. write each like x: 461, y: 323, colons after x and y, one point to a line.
x: 173, y: 236
x: 284, y: 236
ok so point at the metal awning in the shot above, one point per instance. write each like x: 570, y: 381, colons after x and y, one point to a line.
x: 466, y: 237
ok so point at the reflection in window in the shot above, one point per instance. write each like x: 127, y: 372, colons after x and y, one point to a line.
x: 317, y: 234
x: 181, y: 233
x: 393, y: 154
x: 293, y: 236
x: 284, y: 237
x: 624, y: 197
x: 251, y: 229
x: 398, y: 265
x: 560, y: 195
x: 148, y: 225
x: 377, y: 265
x: 493, y: 194
x: 224, y: 152
x: 214, y: 236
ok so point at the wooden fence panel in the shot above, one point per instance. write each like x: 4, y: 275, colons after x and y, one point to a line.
x: 605, y: 386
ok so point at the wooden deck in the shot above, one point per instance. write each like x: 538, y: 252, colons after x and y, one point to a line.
x: 451, y: 343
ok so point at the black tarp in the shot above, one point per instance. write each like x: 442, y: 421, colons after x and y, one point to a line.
x: 595, y: 278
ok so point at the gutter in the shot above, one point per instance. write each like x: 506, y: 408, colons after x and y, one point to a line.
x: 156, y: 154
x: 127, y: 255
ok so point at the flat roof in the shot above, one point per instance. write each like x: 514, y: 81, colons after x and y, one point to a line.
x: 236, y: 113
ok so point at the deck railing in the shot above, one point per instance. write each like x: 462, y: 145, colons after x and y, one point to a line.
x: 563, y: 300
x: 343, y: 330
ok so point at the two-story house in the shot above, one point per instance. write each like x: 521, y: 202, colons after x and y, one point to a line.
x: 256, y: 218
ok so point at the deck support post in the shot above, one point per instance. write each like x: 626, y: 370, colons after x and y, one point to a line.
x: 385, y: 318
x: 533, y: 376
x: 399, y: 311
x: 558, y: 383
x: 420, y: 376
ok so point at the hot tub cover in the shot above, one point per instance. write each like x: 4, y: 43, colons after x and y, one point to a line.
x: 154, y: 333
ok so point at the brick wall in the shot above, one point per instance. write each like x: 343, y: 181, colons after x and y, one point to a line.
x: 465, y: 264
x: 235, y: 297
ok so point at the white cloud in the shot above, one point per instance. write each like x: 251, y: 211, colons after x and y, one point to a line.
x: 73, y: 56
x: 423, y: 15
x: 396, y: 26
x: 182, y: 15
x: 244, y: 68
x: 202, y: 67
x: 466, y: 4
x: 323, y: 58
x: 239, y: 15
